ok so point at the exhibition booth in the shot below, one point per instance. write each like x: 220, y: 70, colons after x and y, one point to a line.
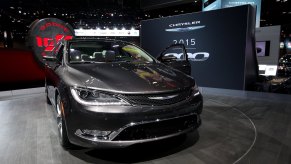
x: 205, y: 87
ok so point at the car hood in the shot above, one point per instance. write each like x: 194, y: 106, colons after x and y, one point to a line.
x: 130, y: 77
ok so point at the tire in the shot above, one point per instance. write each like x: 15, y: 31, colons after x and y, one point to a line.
x: 48, y: 101
x: 62, y: 130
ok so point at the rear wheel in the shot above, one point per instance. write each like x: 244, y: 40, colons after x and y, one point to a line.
x: 62, y: 131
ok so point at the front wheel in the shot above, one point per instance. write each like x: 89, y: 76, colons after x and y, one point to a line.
x: 62, y: 130
x: 48, y: 101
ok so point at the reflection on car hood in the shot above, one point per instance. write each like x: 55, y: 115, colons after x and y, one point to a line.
x: 131, y: 78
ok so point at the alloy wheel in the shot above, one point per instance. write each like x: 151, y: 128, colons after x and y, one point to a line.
x: 59, y: 117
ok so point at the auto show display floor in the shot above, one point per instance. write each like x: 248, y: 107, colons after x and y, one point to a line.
x: 233, y: 130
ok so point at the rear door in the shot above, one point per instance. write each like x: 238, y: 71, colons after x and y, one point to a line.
x: 176, y: 57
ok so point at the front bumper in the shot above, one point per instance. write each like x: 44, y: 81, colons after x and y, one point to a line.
x: 130, y: 124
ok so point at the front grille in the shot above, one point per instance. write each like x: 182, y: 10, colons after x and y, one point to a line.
x: 157, y: 99
x: 157, y: 129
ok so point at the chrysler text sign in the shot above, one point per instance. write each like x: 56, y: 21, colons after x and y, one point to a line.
x: 219, y: 43
x: 46, y: 34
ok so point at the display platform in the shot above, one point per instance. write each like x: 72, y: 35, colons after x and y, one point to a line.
x: 235, y: 129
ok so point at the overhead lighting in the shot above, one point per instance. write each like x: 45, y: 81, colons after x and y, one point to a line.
x: 5, y: 34
x: 281, y: 45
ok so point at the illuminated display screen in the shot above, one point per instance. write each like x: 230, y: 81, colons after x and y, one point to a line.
x: 263, y: 48
x: 211, y: 5
x: 218, y: 4
x: 207, y: 3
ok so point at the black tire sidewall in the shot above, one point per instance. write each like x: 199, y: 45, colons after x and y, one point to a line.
x: 63, y: 139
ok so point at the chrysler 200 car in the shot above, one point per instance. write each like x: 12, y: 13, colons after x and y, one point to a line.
x: 112, y: 93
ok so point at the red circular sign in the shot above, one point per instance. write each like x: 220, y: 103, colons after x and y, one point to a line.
x: 46, y: 34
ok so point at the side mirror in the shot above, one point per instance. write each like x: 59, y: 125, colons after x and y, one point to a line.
x: 168, y: 58
x: 175, y: 52
x: 49, y: 58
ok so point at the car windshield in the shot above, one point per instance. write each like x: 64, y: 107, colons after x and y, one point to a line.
x: 106, y: 52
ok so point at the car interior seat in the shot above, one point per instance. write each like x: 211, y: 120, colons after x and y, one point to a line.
x: 97, y: 56
x: 109, y: 55
x: 85, y: 57
x: 75, y: 55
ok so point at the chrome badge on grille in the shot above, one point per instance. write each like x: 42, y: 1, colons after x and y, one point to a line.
x: 163, y: 98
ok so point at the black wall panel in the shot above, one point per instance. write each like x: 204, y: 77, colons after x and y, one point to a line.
x: 226, y: 35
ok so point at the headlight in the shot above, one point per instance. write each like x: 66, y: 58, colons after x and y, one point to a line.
x: 195, y: 90
x: 95, y: 97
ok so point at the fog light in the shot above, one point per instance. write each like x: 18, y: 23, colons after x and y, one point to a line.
x: 195, y: 90
x: 196, y: 94
x: 93, y: 134
x: 96, y: 133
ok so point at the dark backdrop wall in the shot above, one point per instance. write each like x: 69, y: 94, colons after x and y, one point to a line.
x: 225, y: 38
x: 18, y: 70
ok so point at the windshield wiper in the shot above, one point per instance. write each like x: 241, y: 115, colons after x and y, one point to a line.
x: 83, y: 62
x: 125, y: 61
